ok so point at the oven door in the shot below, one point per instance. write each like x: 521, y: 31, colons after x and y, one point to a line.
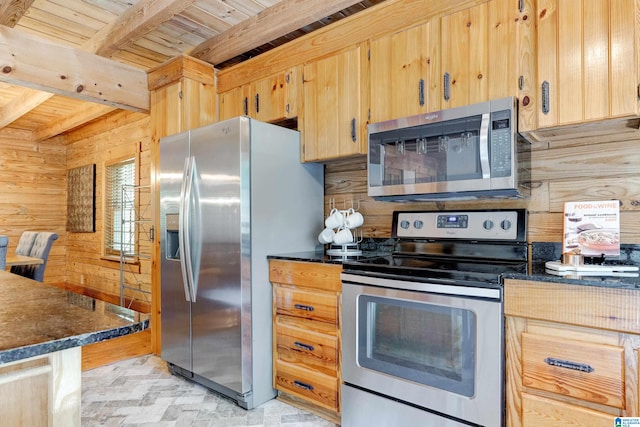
x: 439, y: 347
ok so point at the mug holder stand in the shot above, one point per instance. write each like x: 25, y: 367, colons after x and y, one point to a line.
x: 348, y: 249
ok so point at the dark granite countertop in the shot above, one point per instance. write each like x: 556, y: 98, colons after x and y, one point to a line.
x: 539, y: 273
x: 541, y: 252
x: 370, y: 247
x: 36, y: 319
x: 322, y: 257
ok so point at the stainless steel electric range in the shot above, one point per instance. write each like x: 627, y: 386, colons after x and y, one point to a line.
x: 422, y: 328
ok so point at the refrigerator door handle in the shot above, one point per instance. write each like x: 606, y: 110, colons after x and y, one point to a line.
x: 183, y: 229
x: 195, y: 229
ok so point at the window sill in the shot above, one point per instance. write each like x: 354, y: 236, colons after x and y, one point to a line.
x: 133, y: 264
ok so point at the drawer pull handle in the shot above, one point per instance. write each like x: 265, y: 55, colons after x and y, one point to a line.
x: 304, y: 307
x: 583, y: 367
x: 303, y: 346
x: 302, y: 385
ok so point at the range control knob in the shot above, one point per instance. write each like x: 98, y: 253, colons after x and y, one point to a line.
x: 404, y: 224
x: 417, y: 224
x: 488, y: 224
x: 505, y: 224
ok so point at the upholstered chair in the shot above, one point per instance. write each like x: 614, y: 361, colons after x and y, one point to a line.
x: 24, y: 247
x: 26, y: 242
x: 40, y: 249
x: 4, y: 243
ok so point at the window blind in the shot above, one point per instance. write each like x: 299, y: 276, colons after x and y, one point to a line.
x: 119, y: 215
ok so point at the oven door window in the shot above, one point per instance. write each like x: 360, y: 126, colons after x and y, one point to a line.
x: 425, y: 343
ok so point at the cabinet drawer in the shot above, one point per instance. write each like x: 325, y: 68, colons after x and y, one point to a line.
x: 541, y: 412
x: 590, y: 372
x: 317, y: 387
x: 311, y: 344
x: 324, y: 277
x: 315, y: 305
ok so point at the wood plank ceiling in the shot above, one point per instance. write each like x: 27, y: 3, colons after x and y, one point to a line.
x: 64, y: 63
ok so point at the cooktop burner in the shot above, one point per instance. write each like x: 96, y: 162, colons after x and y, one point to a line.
x: 467, y: 246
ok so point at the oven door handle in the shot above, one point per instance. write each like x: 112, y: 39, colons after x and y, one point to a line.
x: 453, y: 289
x: 485, y: 167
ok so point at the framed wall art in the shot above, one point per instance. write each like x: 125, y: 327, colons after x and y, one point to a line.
x: 81, y: 199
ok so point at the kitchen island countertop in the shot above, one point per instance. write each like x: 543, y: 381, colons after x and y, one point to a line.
x: 36, y: 319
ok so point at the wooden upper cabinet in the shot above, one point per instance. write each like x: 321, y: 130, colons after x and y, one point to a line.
x: 333, y: 121
x: 479, y: 53
x: 234, y: 102
x: 276, y: 97
x: 404, y: 79
x: 587, y: 61
x: 268, y: 99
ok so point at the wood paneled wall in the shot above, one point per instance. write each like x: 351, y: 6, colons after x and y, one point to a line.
x: 592, y: 166
x: 33, y: 197
x: 117, y: 136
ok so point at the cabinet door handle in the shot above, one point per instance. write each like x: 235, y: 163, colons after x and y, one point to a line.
x: 245, y: 106
x: 545, y: 97
x: 304, y: 307
x: 567, y: 364
x: 257, y: 103
x: 421, y: 92
x: 302, y: 385
x: 303, y: 346
x: 446, y: 87
x: 353, y: 130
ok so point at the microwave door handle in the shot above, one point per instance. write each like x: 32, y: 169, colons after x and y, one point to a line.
x: 484, y: 147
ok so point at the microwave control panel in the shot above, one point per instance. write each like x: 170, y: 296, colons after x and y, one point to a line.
x: 500, y: 144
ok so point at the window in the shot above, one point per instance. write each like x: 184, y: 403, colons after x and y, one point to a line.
x: 119, y: 215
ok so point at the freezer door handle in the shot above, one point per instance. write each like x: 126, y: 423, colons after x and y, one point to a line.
x: 192, y: 240
x: 183, y: 230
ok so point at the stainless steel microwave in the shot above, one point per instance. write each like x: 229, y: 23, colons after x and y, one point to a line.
x: 460, y: 153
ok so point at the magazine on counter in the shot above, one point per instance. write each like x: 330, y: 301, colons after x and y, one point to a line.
x: 593, y: 228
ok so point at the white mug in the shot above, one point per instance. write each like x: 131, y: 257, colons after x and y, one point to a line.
x: 343, y: 236
x: 354, y: 219
x: 335, y: 219
x: 326, y: 236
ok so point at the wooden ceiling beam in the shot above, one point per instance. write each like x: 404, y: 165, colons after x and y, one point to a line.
x: 137, y: 21
x: 12, y: 10
x: 270, y: 24
x: 140, y: 19
x: 71, y: 121
x: 36, y: 63
x: 27, y: 100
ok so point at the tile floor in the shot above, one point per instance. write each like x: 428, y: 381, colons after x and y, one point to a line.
x: 142, y: 392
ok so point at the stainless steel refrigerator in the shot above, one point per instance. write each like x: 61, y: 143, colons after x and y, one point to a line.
x: 231, y: 193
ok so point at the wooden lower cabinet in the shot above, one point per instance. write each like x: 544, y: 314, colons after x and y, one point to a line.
x: 306, y: 335
x: 571, y: 354
x: 541, y: 411
x: 42, y: 390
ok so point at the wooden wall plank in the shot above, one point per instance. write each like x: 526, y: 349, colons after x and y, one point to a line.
x: 33, y: 182
x: 116, y: 136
